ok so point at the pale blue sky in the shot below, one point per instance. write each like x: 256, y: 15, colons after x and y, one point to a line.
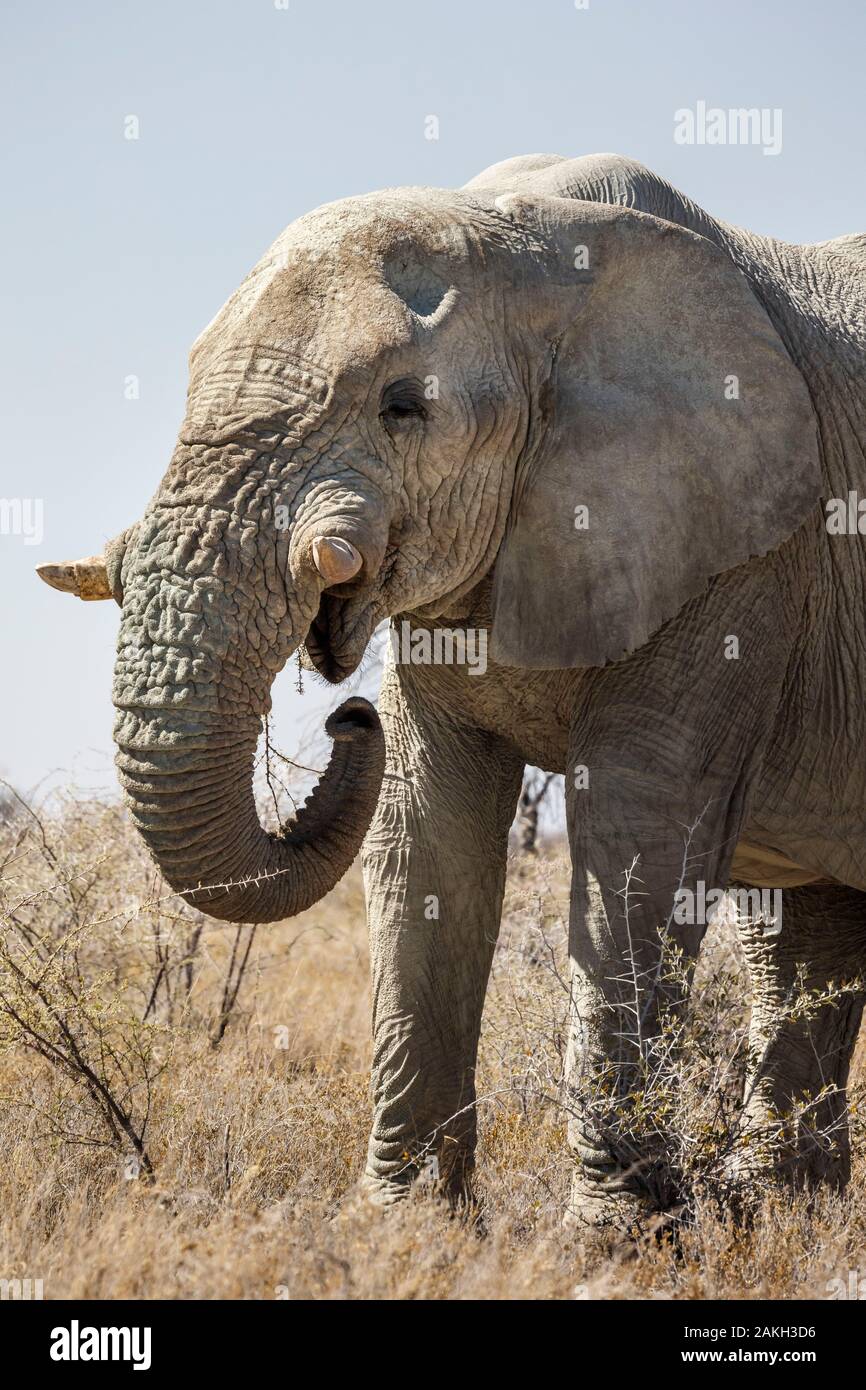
x: 116, y: 253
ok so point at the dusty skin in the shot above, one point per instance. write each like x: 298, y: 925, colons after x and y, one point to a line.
x: 434, y: 382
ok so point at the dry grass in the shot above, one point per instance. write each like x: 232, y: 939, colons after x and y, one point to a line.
x: 257, y: 1142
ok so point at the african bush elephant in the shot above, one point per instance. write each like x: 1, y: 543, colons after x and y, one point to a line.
x: 565, y: 408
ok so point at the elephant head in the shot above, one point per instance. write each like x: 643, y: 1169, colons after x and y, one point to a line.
x: 407, y: 386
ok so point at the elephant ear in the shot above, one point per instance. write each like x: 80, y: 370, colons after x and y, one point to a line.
x: 677, y: 438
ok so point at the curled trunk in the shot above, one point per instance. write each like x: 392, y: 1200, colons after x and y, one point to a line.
x: 195, y: 809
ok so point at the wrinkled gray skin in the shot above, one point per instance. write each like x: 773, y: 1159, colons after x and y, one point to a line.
x: 583, y: 320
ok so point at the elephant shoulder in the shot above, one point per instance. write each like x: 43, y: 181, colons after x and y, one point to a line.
x: 851, y: 250
x: 503, y: 175
x: 596, y: 178
x: 839, y: 267
x: 852, y: 246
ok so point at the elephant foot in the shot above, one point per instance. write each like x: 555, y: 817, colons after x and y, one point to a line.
x: 616, y: 1209
x: 453, y: 1189
x: 385, y: 1192
x: 591, y: 1208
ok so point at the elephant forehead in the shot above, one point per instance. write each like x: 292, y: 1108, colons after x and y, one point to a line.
x: 333, y: 315
x: 352, y: 278
x: 435, y: 221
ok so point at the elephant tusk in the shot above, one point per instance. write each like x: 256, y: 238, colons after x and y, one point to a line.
x: 336, y: 560
x: 87, y: 579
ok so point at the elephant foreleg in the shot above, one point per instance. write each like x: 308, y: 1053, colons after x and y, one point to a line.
x: 631, y: 967
x: 434, y: 868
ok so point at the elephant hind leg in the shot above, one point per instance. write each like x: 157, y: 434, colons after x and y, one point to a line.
x: 806, y: 1012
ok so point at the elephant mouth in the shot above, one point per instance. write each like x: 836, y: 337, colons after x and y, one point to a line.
x: 338, y: 637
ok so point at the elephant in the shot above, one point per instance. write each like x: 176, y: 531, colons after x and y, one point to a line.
x: 567, y: 411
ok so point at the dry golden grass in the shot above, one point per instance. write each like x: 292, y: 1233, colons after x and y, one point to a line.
x: 257, y: 1143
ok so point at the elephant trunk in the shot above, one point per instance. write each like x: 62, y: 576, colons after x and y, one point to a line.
x: 193, y: 804
x: 218, y: 592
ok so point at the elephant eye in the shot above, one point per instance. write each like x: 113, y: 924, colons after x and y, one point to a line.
x: 401, y: 406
